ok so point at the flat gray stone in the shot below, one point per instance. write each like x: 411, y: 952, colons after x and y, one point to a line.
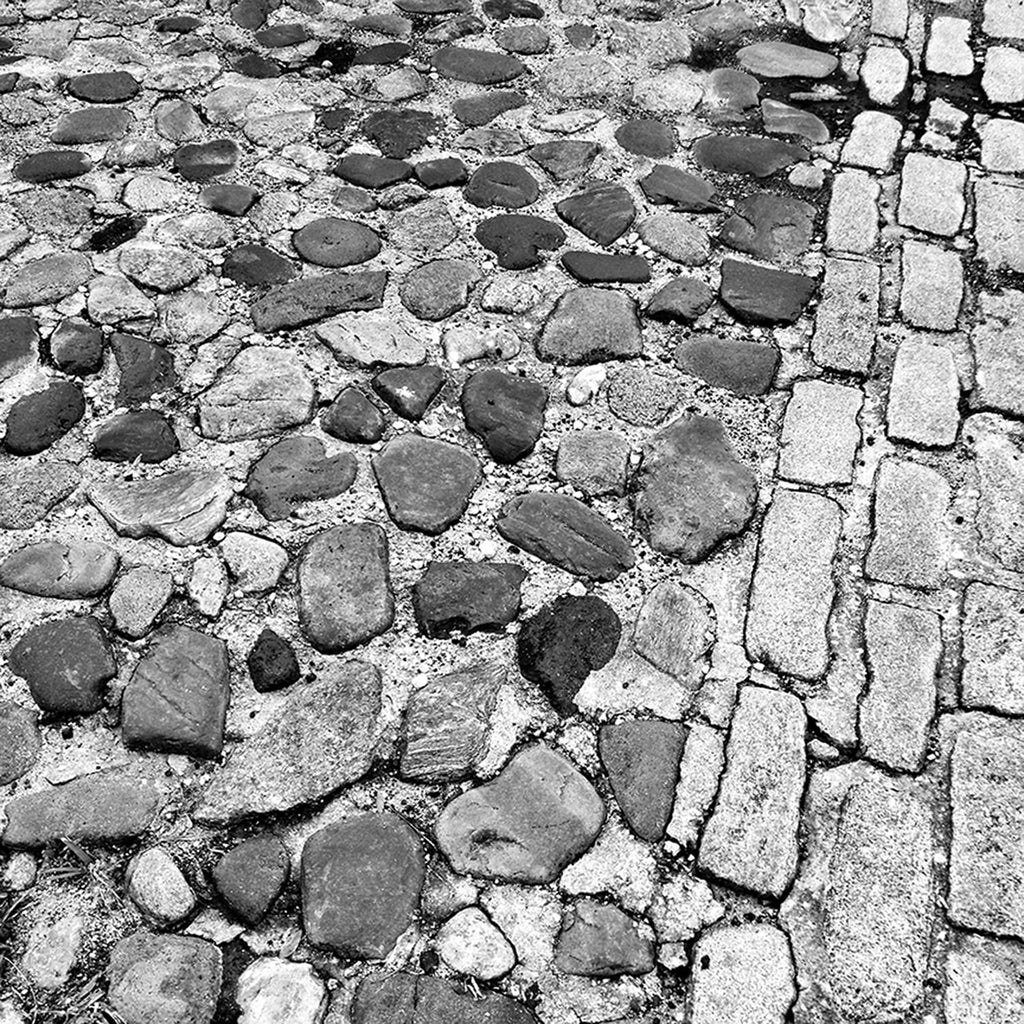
x: 750, y: 840
x: 312, y: 299
x: 932, y: 194
x: 993, y: 649
x: 793, y: 590
x: 591, y: 325
x: 982, y: 981
x: 51, y: 568
x: 322, y: 736
x: 20, y: 741
x: 847, y: 316
x: 999, y: 380
x: 600, y: 941
x: 593, y: 461
x: 345, y: 594
x: 924, y: 395
x: 773, y: 59
x: 535, y: 818
x: 47, y: 280
x: 820, y: 433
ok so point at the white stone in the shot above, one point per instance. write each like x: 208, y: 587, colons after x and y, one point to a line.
x: 852, y: 224
x: 933, y: 286
x: 932, y: 194
x: 1003, y: 80
x: 983, y: 981
x: 884, y: 73
x: 208, y: 585
x: 820, y: 433
x: 683, y: 907
x: 889, y: 18
x: 700, y: 768
x: 470, y: 944
x: 1002, y: 145
x: 1004, y: 19
x: 999, y: 227
x: 52, y: 950
x: 993, y: 649
x: 924, y: 396
x: 275, y: 991
x: 873, y: 139
x: 158, y: 888
x: 949, y: 47
x: 255, y: 562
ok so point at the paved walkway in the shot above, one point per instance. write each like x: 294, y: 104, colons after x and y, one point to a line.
x: 510, y: 513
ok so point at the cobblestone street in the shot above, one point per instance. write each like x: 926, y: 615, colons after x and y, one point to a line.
x: 511, y: 512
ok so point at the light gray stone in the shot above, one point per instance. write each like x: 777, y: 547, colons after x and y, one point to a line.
x: 852, y: 224
x: 820, y: 433
x: 993, y: 649
x: 932, y: 194
x: 909, y: 545
x: 903, y: 651
x: 949, y: 47
x: 884, y: 73
x: 999, y: 224
x: 751, y: 838
x: 700, y: 769
x: 889, y: 18
x: 873, y: 139
x: 1004, y: 19
x: 847, y: 317
x: 924, y: 396
x: 793, y: 589
x: 593, y: 461
x: 933, y: 284
x: 271, y: 991
x: 998, y: 449
x: 1002, y: 145
x: 1003, y: 80
x: 471, y: 944
x: 983, y: 981
x: 158, y: 888
x: 999, y: 356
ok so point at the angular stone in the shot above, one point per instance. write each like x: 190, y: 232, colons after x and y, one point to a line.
x: 142, y: 434
x: 250, y: 876
x: 646, y: 137
x: 682, y: 299
x: 164, y: 268
x: 353, y: 417
x: 993, y: 654
x: 297, y: 470
x: 164, y: 978
x: 602, y: 211
x: 409, y: 391
x: 909, y: 543
x: 361, y: 880
x: 774, y: 59
x: 345, y: 594
x: 176, y: 700
x: 591, y: 325
x: 262, y: 391
x: 999, y: 227
x: 820, y: 433
x: 323, y: 735
x: 39, y: 420
x: 604, y: 268
x: 146, y: 369
x: 981, y: 981
x: 873, y: 140
x: 31, y: 491
x: 256, y: 266
x: 505, y: 412
x: 762, y: 295
x: 470, y: 944
x: 903, y: 650
x: 484, y: 107
x: 466, y: 596
x: 435, y: 290
x: 770, y: 227
x: 371, y: 341
x: 66, y: 663
x: 183, y: 507
x: 563, y: 531
x: 600, y: 941
x: 746, y: 154
x: 924, y: 396
x: 746, y: 976
x: 447, y: 723
x: 76, y: 347
x: 20, y: 741
x: 316, y: 298
x: 535, y: 818
x: 677, y: 90
x: 563, y: 643
x: 517, y: 239
x: 271, y: 662
x: 681, y: 189
x: 593, y: 461
x: 700, y: 769
x: 115, y: 804
x: 642, y: 761
x: 50, y: 568
x: 884, y: 72
x: 271, y: 988
x: 932, y: 194
x: 426, y: 484
x: 691, y: 491
x: 751, y: 838
x: 742, y: 367
x: 847, y: 316
x: 793, y: 589
x: 852, y: 224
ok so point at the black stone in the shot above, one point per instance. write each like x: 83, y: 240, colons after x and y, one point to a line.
x: 430, y: 7
x: 272, y: 663
x: 116, y: 232
x: 277, y: 36
x: 502, y: 183
x: 146, y: 368
x: 251, y: 14
x: 91, y: 124
x: 466, y: 596
x: 257, y: 266
x: 762, y: 295
x: 505, y: 411
x: 335, y: 119
x: 38, y: 420
x: 233, y: 200
x: 409, y: 390
x: 565, y: 159
x: 77, y: 347
x: 9, y: 82
x: 143, y: 434
x: 255, y: 65
x: 296, y: 470
x: 336, y: 242
x: 178, y: 23
x: 397, y: 133
x: 204, y: 160
x: 353, y: 417
x: 602, y: 211
x: 370, y: 171
x: 603, y: 267
x: 503, y: 10
x: 338, y: 55
x: 667, y: 185
x: 486, y: 106
x: 517, y: 239
x: 480, y: 67
x: 563, y: 643
x: 646, y: 137
x: 442, y: 172
x: 104, y: 87
x: 383, y: 53
x: 52, y: 165
x: 681, y: 299
x: 746, y: 154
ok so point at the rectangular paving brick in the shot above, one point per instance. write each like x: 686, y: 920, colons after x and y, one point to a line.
x: 932, y: 194
x: 852, y: 222
x: 904, y: 646
x: 847, y: 318
x: 997, y: 445
x: 999, y: 224
x: 751, y: 838
x: 924, y: 395
x: 933, y: 286
x: 820, y: 433
x: 993, y: 649
x: 793, y: 588
x: 700, y: 768
x: 998, y: 352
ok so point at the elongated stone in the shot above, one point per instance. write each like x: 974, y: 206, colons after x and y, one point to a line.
x: 315, y: 298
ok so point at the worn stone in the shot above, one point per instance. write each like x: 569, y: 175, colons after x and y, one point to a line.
x: 49, y: 568
x: 313, y: 299
x: 593, y: 461
x: 932, y: 194
x: 847, y: 316
x: 590, y: 325
x: 466, y: 596
x: 924, y: 396
x: 820, y: 433
x: 297, y: 470
x: 763, y: 295
x: 600, y: 941
x: 470, y: 944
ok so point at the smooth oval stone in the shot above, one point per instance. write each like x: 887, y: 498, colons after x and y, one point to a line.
x: 52, y: 569
x: 602, y: 211
x: 371, y: 171
x: 383, y: 53
x: 667, y: 185
x: 52, y: 165
x: 746, y: 154
x: 730, y: 95
x: 481, y: 67
x: 93, y: 124
x: 37, y: 421
x: 503, y: 10
x: 104, y: 87
x: 442, y: 172
x: 782, y: 119
x: 278, y: 36
x: 646, y: 137
x: 517, y: 239
x: 743, y: 367
x: 773, y: 59
x: 257, y: 266
x: 483, y: 108
x: 502, y: 183
x: 336, y: 242
x: 204, y: 160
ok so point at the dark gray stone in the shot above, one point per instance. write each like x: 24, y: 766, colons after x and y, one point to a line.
x: 466, y: 596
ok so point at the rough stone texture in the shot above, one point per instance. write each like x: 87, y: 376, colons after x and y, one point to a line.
x: 1000, y: 368
x: 250, y: 876
x: 361, y: 880
x: 932, y: 286
x: 903, y: 651
x: 536, y: 817
x: 924, y: 396
x: 852, y: 224
x: 54, y: 569
x: 999, y: 213
x: 466, y: 596
x: 993, y: 651
x: 932, y: 194
x: 793, y: 590
x: 820, y: 433
x: 600, y: 941
x: 590, y: 325
x: 750, y: 840
x: 996, y: 445
x: 844, y: 328
x: 321, y: 737
x: 982, y: 982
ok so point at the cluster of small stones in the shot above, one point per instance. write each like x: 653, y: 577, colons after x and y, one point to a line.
x: 510, y: 512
